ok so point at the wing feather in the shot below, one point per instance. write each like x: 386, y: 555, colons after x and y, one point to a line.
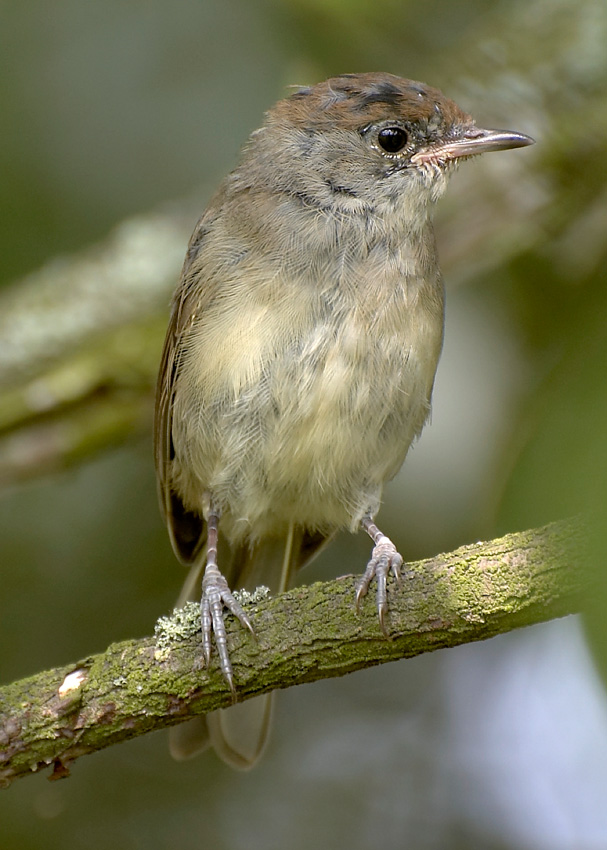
x: 186, y: 528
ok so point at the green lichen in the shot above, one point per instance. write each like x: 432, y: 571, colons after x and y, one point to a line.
x: 260, y: 594
x: 184, y: 623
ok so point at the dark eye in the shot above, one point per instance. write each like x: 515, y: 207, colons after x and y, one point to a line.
x: 392, y: 139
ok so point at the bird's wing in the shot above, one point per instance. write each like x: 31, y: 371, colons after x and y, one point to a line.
x: 186, y: 528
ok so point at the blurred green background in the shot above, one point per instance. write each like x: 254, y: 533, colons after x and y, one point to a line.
x: 118, y: 110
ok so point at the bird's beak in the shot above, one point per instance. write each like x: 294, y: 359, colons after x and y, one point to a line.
x: 473, y: 141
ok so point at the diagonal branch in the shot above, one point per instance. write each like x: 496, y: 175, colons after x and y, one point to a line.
x: 310, y: 633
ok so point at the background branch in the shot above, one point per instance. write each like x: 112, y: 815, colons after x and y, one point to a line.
x: 310, y: 633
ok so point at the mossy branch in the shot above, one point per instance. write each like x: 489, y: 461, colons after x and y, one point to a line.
x: 310, y: 633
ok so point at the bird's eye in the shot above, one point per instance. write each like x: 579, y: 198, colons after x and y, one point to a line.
x: 392, y: 139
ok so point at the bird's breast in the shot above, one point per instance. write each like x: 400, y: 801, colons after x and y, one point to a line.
x: 298, y: 406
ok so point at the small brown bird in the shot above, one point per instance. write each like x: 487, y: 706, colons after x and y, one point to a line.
x: 302, y: 347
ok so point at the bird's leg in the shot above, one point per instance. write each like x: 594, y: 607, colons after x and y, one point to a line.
x: 215, y: 596
x: 385, y: 558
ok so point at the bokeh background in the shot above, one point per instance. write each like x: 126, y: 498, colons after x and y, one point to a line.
x: 118, y: 120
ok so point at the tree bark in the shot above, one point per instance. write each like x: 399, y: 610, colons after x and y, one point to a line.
x: 310, y: 633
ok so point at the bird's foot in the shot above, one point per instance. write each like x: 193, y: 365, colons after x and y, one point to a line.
x: 216, y: 595
x: 385, y: 559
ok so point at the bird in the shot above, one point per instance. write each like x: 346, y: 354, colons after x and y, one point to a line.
x: 301, y: 352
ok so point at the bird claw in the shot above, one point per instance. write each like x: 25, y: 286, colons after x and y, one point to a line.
x: 385, y: 559
x: 216, y: 595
